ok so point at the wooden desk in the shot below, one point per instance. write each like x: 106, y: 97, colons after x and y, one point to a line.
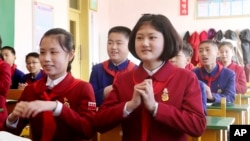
x: 245, y: 99
x: 12, y: 98
x: 239, y: 112
x: 216, y: 127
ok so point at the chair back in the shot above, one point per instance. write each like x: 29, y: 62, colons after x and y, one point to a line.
x: 221, y: 112
x: 237, y: 99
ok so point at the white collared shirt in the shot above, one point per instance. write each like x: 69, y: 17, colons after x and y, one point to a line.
x: 52, y: 83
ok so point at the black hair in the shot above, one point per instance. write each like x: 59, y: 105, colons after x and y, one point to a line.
x: 187, y: 49
x: 172, y: 40
x: 11, y: 49
x: 0, y: 42
x: 212, y: 42
x: 65, y: 40
x: 120, y: 29
x: 32, y: 54
x: 225, y: 43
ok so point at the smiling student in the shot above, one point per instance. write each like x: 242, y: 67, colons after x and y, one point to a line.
x: 149, y: 102
x: 58, y: 107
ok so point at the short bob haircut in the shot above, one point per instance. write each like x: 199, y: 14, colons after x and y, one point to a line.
x: 172, y: 40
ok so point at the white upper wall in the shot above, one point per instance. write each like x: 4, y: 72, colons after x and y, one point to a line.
x: 24, y: 25
x: 127, y: 12
x: 111, y: 13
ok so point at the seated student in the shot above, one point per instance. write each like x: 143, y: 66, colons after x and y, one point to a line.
x: 9, y: 56
x: 182, y: 60
x: 58, y: 107
x: 149, y: 102
x: 226, y: 54
x: 5, y: 81
x: 103, y: 74
x: 34, y: 67
x: 220, y: 80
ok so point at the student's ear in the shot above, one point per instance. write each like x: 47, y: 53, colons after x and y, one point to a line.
x: 71, y: 55
x: 188, y: 60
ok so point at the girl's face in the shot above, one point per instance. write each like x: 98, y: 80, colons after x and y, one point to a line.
x: 117, y: 47
x: 226, y: 53
x: 149, y: 43
x: 8, y: 57
x: 53, y: 58
x: 33, y: 65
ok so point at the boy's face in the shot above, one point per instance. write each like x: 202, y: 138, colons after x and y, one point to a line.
x: 33, y: 65
x: 8, y: 57
x: 180, y: 60
x: 117, y: 47
x: 226, y: 53
x: 208, y: 53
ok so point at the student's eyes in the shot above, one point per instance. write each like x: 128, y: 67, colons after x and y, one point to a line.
x: 54, y: 52
x: 138, y: 37
x: 110, y: 43
x: 152, y: 37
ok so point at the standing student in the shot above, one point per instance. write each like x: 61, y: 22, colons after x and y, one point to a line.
x: 58, y: 107
x: 149, y: 101
x: 5, y: 81
x: 9, y: 56
x: 226, y: 54
x: 104, y: 74
x: 182, y: 60
x: 220, y: 80
x: 33, y: 65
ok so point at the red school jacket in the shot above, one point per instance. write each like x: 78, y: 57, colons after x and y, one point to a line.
x: 75, y: 123
x: 240, y: 78
x: 180, y: 115
x: 5, y: 82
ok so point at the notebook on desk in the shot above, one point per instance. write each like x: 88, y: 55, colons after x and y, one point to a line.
x: 6, y: 136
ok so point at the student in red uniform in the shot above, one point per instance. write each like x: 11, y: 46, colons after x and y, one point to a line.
x: 149, y: 101
x: 226, y: 54
x: 5, y: 81
x: 58, y: 107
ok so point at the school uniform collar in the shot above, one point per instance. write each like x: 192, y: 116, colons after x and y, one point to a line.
x: 166, y: 70
x: 51, y: 83
x: 150, y: 73
x: 117, y: 67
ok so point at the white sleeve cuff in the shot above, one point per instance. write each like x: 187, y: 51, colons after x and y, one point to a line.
x: 58, y: 109
x: 12, y: 124
x: 125, y: 112
x: 155, y: 109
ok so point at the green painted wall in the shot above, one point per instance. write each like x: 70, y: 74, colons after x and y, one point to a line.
x: 7, y: 22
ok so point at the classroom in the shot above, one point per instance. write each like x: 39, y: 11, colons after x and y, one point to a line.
x: 24, y: 22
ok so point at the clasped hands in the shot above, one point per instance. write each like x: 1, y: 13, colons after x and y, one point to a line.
x: 143, y: 93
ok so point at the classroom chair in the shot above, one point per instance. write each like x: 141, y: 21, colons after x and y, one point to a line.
x: 221, y: 112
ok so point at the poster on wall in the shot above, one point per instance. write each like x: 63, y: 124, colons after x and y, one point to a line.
x: 183, y: 7
x: 42, y: 21
x: 222, y: 8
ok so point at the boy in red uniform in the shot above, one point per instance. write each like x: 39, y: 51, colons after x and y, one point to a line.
x: 149, y: 102
x: 58, y: 107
